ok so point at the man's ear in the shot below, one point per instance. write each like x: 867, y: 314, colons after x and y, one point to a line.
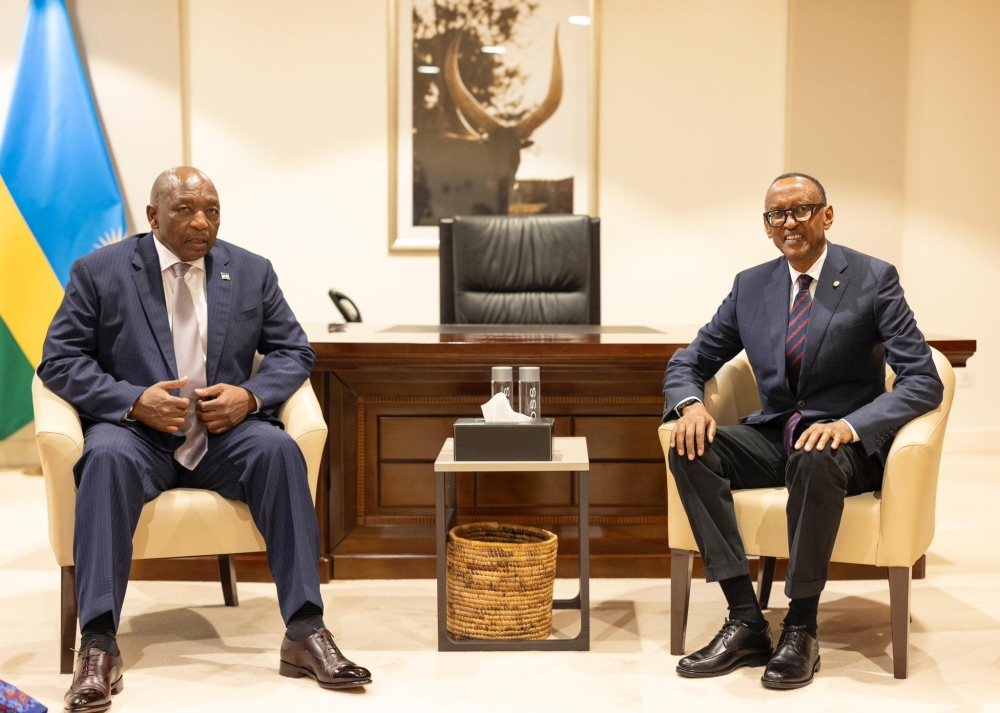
x: 151, y: 217
x: 827, y: 217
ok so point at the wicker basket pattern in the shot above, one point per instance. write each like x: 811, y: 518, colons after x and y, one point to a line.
x: 500, y: 580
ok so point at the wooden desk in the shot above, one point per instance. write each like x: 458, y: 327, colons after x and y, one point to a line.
x: 390, y: 396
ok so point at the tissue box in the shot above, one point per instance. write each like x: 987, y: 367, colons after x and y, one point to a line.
x: 477, y: 440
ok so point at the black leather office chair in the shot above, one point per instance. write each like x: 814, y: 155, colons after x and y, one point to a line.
x: 542, y: 269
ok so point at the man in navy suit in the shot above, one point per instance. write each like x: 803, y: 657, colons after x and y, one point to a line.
x: 818, y: 325
x: 153, y: 345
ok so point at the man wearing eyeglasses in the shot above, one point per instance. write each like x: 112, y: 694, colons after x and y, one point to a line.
x: 818, y: 325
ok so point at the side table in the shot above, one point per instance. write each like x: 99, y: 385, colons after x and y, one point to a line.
x: 568, y: 454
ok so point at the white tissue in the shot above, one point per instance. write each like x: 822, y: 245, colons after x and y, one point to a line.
x: 498, y: 410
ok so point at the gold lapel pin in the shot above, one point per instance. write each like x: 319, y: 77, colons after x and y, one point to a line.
x: 836, y: 284
x: 225, y: 276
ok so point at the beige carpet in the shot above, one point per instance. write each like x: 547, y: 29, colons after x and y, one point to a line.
x: 185, y: 651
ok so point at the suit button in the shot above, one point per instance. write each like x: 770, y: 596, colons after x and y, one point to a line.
x: 801, y: 404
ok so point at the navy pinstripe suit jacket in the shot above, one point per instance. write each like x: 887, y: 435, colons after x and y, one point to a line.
x: 111, y: 339
x: 854, y: 328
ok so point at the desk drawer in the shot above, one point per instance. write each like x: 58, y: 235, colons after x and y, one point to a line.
x: 413, y: 438
x: 624, y: 484
x: 620, y: 438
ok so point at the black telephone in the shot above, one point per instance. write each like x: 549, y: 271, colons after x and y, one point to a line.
x: 346, y: 306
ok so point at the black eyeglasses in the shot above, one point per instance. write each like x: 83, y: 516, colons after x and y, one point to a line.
x: 801, y: 213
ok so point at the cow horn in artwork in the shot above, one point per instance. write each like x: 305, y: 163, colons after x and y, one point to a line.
x: 476, y: 115
x: 468, y: 106
x: 544, y: 111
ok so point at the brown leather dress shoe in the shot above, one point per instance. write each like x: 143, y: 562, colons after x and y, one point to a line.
x: 96, y: 677
x: 795, y: 661
x: 319, y: 658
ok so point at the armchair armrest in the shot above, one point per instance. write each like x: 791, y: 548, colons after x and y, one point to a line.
x: 909, y: 485
x: 59, y: 436
x: 302, y: 418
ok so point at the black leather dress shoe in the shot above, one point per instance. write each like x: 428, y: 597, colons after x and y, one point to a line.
x: 735, y: 646
x: 96, y: 677
x: 795, y: 661
x: 319, y: 658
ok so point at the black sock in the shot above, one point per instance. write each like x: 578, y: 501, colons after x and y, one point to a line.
x: 742, y: 600
x: 101, y: 631
x: 305, y: 622
x: 802, y: 612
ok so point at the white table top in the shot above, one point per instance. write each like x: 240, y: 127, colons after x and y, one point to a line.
x: 567, y: 454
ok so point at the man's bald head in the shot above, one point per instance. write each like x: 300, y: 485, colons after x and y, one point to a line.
x: 173, y: 178
x: 183, y: 212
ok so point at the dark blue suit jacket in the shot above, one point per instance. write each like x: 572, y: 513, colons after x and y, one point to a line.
x: 854, y: 328
x: 110, y: 338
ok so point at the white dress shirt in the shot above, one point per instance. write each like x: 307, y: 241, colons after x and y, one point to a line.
x: 195, y: 279
x: 813, y: 272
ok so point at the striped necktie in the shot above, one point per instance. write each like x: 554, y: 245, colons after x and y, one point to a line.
x: 191, y: 363
x: 795, y: 347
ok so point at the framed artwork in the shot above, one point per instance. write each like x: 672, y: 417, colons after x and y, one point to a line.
x: 492, y: 111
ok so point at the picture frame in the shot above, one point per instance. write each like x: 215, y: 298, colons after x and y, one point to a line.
x: 509, y: 128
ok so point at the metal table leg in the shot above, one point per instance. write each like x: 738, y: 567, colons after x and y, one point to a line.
x: 446, y: 509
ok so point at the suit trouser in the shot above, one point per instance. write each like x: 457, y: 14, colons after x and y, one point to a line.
x: 743, y: 457
x: 256, y: 463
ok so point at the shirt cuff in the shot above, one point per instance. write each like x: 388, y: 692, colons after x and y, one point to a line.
x: 853, y: 432
x: 127, y: 418
x: 684, y: 403
x: 260, y: 405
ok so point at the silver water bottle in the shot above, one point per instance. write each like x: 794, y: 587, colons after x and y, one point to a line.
x: 502, y: 381
x: 530, y: 391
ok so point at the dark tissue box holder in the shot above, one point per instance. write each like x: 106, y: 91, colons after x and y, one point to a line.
x: 529, y: 441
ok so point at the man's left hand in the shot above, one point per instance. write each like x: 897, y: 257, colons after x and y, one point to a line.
x: 819, y: 434
x: 227, y: 410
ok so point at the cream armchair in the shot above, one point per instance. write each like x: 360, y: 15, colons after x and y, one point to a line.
x: 892, y: 528
x: 179, y: 523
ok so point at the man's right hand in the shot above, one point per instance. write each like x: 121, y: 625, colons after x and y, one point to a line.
x: 156, y: 408
x: 691, y: 431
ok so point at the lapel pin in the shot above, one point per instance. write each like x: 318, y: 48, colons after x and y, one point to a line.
x: 836, y: 283
x: 225, y: 276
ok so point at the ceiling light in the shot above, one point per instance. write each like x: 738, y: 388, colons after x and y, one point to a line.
x: 428, y: 69
x: 579, y: 20
x: 494, y: 49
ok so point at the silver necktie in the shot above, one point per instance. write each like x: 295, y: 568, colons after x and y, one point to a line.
x: 191, y: 363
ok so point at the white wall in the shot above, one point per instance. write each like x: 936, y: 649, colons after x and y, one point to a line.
x: 692, y: 132
x: 289, y: 117
x: 951, y: 244
x: 894, y: 105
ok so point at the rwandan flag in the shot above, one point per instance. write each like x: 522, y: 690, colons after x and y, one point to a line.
x: 59, y: 198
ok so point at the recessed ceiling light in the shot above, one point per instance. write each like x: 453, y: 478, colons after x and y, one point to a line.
x: 494, y: 49
x: 579, y: 20
x: 428, y: 69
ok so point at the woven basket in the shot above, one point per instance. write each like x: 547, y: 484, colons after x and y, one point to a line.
x: 500, y: 580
